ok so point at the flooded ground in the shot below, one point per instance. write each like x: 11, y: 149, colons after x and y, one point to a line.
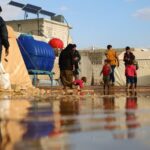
x: 71, y: 122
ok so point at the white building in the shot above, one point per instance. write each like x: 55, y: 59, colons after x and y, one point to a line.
x: 43, y: 27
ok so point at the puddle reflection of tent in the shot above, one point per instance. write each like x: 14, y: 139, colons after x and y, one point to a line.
x: 36, y: 128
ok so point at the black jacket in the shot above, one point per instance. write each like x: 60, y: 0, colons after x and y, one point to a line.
x: 76, y: 54
x: 128, y: 57
x: 66, y: 60
x: 3, y: 34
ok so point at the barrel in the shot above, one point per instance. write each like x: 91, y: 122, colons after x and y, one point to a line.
x: 37, y: 55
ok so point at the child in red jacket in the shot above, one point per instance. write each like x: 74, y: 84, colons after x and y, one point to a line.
x: 106, y: 71
x: 130, y: 73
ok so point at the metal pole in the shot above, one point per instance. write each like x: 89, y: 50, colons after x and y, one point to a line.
x: 38, y: 23
x: 25, y: 15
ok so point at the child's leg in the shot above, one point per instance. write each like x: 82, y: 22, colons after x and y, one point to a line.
x: 132, y: 86
x: 108, y: 87
x: 104, y: 86
x: 128, y: 86
x: 130, y: 83
x: 104, y: 81
x: 135, y: 82
x: 127, y: 82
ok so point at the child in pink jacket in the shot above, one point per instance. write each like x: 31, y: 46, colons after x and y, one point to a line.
x: 80, y: 83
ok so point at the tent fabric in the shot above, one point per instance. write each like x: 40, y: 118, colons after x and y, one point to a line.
x: 15, y: 65
x: 56, y: 69
x: 143, y: 58
x: 140, y: 55
x: 86, y: 69
x: 37, y: 55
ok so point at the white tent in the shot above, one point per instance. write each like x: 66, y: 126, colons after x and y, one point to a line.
x: 143, y: 58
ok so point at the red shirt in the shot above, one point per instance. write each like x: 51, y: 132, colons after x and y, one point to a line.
x: 106, y: 70
x: 79, y: 82
x: 130, y: 71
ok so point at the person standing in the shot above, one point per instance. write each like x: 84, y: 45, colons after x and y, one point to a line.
x: 3, y: 36
x: 106, y: 71
x: 76, y: 59
x: 128, y: 56
x: 66, y: 66
x: 130, y: 73
x: 112, y: 56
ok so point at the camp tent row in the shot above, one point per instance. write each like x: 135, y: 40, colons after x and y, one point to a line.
x: 142, y: 56
x: 19, y: 74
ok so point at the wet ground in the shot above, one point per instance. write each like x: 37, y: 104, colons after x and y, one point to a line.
x: 76, y: 122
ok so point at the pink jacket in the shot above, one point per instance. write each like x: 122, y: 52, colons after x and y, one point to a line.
x: 79, y: 82
x: 130, y: 71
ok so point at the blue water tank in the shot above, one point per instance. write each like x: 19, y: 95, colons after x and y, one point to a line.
x: 37, y: 55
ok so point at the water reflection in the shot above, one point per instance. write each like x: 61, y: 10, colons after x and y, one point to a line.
x: 55, y: 124
x: 4, y: 136
x: 131, y: 117
x: 10, y: 128
x: 109, y: 109
x: 69, y: 108
x: 37, y: 128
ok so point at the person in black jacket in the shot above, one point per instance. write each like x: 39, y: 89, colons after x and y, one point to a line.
x: 3, y: 37
x: 76, y: 59
x: 128, y: 56
x: 66, y: 66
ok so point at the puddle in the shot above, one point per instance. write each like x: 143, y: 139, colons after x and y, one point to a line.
x: 69, y: 123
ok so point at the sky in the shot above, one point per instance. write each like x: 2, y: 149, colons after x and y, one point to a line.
x: 97, y: 23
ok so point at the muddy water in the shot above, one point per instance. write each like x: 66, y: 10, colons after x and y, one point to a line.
x: 87, y: 122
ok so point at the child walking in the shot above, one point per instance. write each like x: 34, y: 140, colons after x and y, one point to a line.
x: 130, y: 73
x: 106, y: 71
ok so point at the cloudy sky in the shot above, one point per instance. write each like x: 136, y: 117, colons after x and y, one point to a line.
x: 98, y: 22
